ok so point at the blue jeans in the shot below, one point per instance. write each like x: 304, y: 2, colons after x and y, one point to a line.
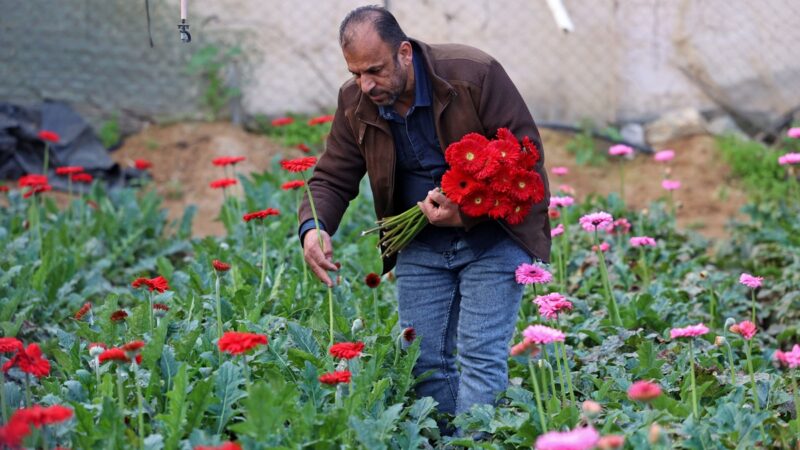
x: 458, y: 291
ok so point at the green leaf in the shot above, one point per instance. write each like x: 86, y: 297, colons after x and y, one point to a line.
x: 199, y: 400
x: 176, y: 410
x: 373, y: 433
x: 303, y: 338
x: 226, y: 390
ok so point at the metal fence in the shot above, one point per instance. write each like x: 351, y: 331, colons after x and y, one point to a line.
x: 624, y: 60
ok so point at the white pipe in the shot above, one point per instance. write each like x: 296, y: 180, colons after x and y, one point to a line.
x: 560, y: 15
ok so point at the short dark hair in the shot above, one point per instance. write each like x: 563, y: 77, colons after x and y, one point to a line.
x: 381, y: 19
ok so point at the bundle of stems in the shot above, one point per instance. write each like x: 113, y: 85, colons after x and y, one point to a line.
x: 397, y: 231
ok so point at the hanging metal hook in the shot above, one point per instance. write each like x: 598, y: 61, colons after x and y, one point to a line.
x: 183, y: 27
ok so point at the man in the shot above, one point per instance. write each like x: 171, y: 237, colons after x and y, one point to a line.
x: 407, y: 101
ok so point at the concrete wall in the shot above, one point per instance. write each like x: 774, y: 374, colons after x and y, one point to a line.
x: 626, y: 59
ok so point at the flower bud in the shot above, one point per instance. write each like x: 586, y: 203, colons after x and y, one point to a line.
x: 591, y: 408
x: 654, y: 435
x: 611, y: 441
x: 719, y: 341
x: 703, y: 274
x: 357, y: 326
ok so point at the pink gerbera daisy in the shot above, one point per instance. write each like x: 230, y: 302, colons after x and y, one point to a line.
x: 671, y: 185
x: 790, y: 359
x: 664, y: 155
x: 532, y: 274
x: 642, y: 241
x: 551, y: 304
x: 577, y: 439
x: 540, y: 334
x: 744, y: 328
x: 557, y: 231
x: 559, y: 171
x: 620, y: 150
x: 560, y: 202
x: 597, y: 221
x: 750, y: 280
x: 690, y: 331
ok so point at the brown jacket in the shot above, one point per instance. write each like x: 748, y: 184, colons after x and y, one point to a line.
x: 471, y: 93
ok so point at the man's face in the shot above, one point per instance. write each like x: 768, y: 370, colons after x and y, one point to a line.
x: 381, y: 73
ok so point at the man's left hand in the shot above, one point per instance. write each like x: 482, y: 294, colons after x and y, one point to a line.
x: 440, y: 211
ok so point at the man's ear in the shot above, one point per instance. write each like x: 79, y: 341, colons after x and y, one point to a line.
x: 405, y: 52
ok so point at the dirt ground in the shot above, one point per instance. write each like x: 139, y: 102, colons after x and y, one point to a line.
x: 181, y: 155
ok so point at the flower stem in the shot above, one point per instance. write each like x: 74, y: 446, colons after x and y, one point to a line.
x: 322, y: 249
x: 645, y: 272
x: 120, y: 393
x: 151, y: 312
x: 538, y: 395
x: 796, y: 402
x: 219, y: 306
x: 753, y: 304
x: 612, y: 302
x: 756, y: 403
x: 27, y: 390
x: 263, y: 265
x: 140, y: 413
x: 3, y: 396
x: 569, y: 373
x: 46, y: 161
x: 694, y: 385
x: 560, y: 374
x: 376, y: 314
x: 731, y: 363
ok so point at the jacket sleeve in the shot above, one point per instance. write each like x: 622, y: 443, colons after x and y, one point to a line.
x: 337, y: 174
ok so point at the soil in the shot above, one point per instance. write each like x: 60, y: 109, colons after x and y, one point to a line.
x: 181, y: 154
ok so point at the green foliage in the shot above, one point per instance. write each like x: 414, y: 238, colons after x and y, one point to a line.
x: 757, y: 166
x: 209, y: 63
x: 109, y: 132
x: 585, y: 148
x: 300, y: 132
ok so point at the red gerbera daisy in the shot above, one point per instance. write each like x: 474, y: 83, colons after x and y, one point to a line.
x: 503, y: 206
x: 339, y: 376
x: 29, y: 360
x: 81, y: 178
x: 530, y: 155
x: 132, y: 347
x: 504, y: 134
x: 346, y: 350
x: 10, y: 344
x: 235, y: 342
x: 118, y: 315
x: 227, y: 160
x: 222, y: 183
x: 281, y: 121
x: 260, y: 214
x: 32, y: 180
x: 142, y: 164
x: 408, y: 334
x: 476, y: 137
x: 49, y: 136
x: 38, y: 415
x: 294, y: 184
x: 160, y: 307
x: 68, y: 170
x: 321, y: 119
x: 220, y: 266
x: 506, y: 152
x: 225, y: 446
x: 113, y: 354
x: 304, y: 148
x: 518, y: 213
x: 3, y: 188
x: 523, y: 185
x: 372, y: 280
x: 456, y: 184
x: 477, y: 202
x: 37, y: 190
x: 158, y: 283
x: 82, y: 312
x: 299, y: 164
x: 466, y: 155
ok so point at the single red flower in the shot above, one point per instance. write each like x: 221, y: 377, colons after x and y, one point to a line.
x: 506, y: 153
x: 160, y: 307
x: 32, y: 180
x: 466, y: 155
x: 29, y: 360
x: 293, y: 184
x: 456, y: 184
x: 553, y: 213
x: 281, y: 121
x: 477, y: 202
x: 235, y: 342
x: 37, y: 190
x: 644, y: 391
x: 10, y: 344
x: 503, y: 207
x: 38, y: 415
x: 321, y: 119
x: 82, y: 178
x: 518, y: 213
x: 82, y: 312
x: 3, y: 188
x: 118, y: 315
x: 372, y: 280
x: 222, y: 183
x: 299, y: 164
x: 49, y: 136
x: 113, y: 354
x: 339, y: 376
x: 304, y: 148
x: 225, y: 446
x: 158, y: 283
x: 227, y: 160
x: 260, y: 214
x: 142, y: 164
x: 15, y: 431
x: 530, y: 155
x: 525, y: 185
x: 408, y: 334
x: 477, y: 138
x: 68, y: 170
x: 133, y: 347
x: 346, y: 350
x: 220, y: 266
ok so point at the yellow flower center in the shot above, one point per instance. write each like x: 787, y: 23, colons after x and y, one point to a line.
x: 521, y: 185
x: 470, y: 156
x: 478, y: 200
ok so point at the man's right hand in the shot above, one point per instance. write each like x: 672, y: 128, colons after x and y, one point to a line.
x: 319, y: 259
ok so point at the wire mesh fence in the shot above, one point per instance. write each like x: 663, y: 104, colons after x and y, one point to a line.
x: 623, y: 60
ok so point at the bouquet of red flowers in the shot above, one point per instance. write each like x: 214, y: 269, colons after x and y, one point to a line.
x: 494, y: 178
